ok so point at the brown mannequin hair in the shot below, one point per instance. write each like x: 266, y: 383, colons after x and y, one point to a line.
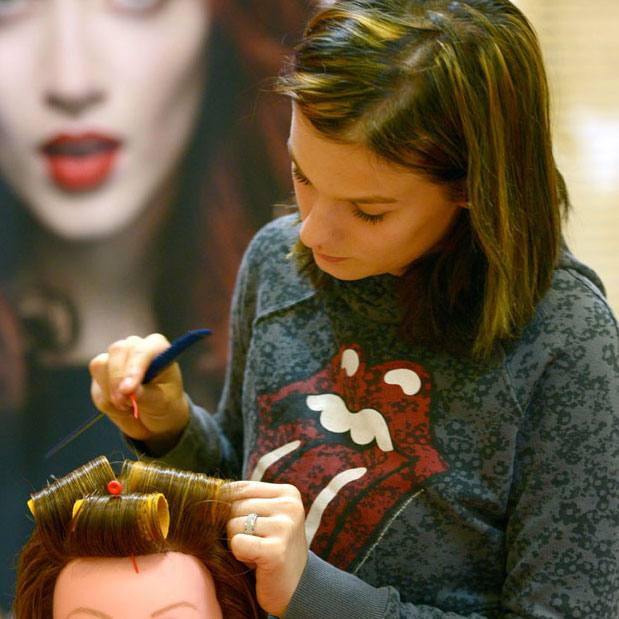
x: 76, y: 516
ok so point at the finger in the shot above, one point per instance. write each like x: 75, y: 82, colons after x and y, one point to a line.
x: 286, y: 501
x: 249, y: 549
x: 279, y: 525
x: 98, y: 365
x: 98, y: 370
x: 124, y: 367
x: 267, y: 508
x: 99, y: 385
x: 118, y: 354
x: 261, y: 489
x: 238, y: 526
x: 101, y: 391
x: 265, y: 553
x: 142, y: 353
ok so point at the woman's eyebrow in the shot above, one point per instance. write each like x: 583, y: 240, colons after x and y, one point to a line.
x: 165, y: 609
x: 89, y: 611
x: 360, y: 200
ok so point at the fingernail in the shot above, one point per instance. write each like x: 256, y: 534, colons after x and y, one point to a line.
x: 127, y: 383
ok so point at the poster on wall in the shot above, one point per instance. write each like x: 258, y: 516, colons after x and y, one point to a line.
x: 141, y: 148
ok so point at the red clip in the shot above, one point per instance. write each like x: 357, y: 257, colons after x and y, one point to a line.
x: 135, y: 405
x: 114, y: 487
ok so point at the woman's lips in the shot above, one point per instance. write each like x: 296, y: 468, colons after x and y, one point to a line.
x: 80, y: 162
x: 328, y: 258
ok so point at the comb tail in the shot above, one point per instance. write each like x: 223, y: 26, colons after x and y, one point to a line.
x: 157, y: 365
x: 74, y: 434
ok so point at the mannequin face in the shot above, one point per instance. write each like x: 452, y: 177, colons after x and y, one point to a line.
x: 97, y: 102
x: 167, y: 586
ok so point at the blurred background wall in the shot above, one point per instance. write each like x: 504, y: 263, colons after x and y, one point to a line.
x: 581, y: 47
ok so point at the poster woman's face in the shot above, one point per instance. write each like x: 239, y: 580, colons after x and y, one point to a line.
x: 166, y: 586
x: 97, y: 102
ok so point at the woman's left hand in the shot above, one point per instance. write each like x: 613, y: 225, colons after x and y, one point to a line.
x: 277, y: 547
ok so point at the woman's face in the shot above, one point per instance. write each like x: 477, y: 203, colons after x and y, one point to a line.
x: 363, y: 216
x: 97, y: 102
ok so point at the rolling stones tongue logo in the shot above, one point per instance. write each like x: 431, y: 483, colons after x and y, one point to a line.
x: 354, y: 440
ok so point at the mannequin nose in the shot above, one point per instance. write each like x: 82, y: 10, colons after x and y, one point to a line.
x: 72, y: 85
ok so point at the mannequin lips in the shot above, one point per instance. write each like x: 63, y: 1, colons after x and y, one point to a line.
x: 80, y: 162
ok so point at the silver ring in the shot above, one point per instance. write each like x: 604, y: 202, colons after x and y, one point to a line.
x: 250, y: 524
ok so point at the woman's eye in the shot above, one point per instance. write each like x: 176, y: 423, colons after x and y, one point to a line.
x: 299, y: 176
x: 12, y: 8
x: 372, y: 219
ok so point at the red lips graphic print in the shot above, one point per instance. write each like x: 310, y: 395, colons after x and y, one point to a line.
x: 355, y: 440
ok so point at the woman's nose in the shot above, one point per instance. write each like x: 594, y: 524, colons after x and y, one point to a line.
x: 321, y: 225
x: 73, y: 84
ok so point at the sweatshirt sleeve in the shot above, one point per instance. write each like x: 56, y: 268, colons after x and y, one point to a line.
x: 562, y: 533
x: 212, y: 444
x: 202, y: 447
x: 330, y: 593
x: 562, y: 524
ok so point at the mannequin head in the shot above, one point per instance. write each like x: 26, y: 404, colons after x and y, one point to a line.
x: 170, y: 584
x: 165, y: 534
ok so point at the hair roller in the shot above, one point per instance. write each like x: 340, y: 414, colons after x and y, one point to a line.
x: 52, y: 506
x: 187, y: 492
x: 130, y: 524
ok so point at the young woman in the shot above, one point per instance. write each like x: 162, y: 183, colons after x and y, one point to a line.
x: 149, y: 542
x: 422, y: 385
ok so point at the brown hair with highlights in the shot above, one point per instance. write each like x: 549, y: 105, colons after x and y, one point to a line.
x: 455, y: 91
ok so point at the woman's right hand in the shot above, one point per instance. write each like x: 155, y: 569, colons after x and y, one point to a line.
x: 163, y: 409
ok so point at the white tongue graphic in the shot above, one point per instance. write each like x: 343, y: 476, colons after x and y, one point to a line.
x: 271, y: 458
x: 364, y: 426
x: 325, y: 496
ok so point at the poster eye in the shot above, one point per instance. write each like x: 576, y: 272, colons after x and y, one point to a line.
x: 136, y: 5
x: 10, y: 8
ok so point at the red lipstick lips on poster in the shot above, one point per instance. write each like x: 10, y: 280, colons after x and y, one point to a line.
x: 80, y: 162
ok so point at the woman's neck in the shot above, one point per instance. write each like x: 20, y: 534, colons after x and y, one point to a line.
x: 108, y: 283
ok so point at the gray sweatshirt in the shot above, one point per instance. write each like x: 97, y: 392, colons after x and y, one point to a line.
x: 434, y: 486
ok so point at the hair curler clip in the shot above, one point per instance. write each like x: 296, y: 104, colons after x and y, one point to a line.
x: 115, y: 488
